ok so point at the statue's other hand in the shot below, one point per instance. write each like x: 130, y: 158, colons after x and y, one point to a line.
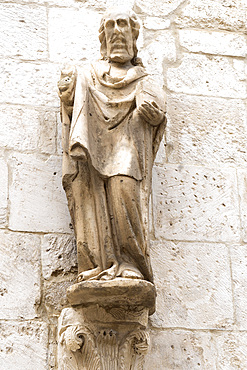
x: 66, y: 84
x: 151, y: 113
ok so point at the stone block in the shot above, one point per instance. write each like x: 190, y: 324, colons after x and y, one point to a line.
x: 3, y: 193
x: 231, y: 349
x: 30, y: 24
x: 193, y: 282
x: 23, y: 345
x: 195, y: 203
x: 58, y: 255
x: 78, y: 4
x: 47, y: 142
x: 160, y: 7
x: 55, y: 298
x: 206, y: 130
x: 210, y: 42
x: 155, y: 23
x: 38, y: 202
x: 186, y: 350
x: 28, y: 129
x: 228, y: 15
x: 29, y: 83
x: 206, y: 75
x: 239, y: 275
x: 65, y: 3
x: 72, y: 44
x: 158, y: 50
x: 242, y: 189
x: 19, y: 276
x: 180, y: 349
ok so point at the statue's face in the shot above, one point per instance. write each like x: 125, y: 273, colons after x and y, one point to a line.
x: 119, y: 38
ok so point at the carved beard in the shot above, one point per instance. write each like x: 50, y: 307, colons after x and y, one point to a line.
x: 120, y: 50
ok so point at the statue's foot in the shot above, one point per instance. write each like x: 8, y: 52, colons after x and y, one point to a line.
x: 129, y: 271
x: 109, y: 274
x: 130, y: 274
x: 89, y: 274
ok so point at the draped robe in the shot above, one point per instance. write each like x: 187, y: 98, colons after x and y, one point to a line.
x: 118, y: 145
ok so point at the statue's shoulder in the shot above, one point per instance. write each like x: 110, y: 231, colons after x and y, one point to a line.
x: 84, y: 70
x: 99, y: 67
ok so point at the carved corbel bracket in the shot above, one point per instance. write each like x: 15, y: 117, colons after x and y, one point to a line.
x: 109, y: 333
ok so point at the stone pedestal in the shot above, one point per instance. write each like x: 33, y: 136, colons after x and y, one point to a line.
x: 105, y: 329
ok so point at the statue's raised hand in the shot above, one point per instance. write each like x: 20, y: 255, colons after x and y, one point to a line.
x: 151, y: 113
x: 66, y: 84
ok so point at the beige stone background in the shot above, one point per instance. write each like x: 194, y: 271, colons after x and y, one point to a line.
x: 197, y: 50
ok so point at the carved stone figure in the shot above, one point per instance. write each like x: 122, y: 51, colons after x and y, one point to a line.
x: 112, y: 123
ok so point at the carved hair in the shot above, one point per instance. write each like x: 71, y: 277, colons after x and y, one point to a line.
x: 135, y: 27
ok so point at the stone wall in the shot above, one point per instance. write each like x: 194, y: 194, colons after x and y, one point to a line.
x: 197, y: 49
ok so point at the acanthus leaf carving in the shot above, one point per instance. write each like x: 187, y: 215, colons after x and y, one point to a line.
x: 97, y: 346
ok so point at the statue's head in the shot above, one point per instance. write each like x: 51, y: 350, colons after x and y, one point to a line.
x: 118, y: 33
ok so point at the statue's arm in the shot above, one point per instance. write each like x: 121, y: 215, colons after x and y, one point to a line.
x: 151, y: 113
x: 150, y: 101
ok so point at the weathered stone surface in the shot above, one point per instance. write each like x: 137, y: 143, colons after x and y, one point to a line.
x: 65, y: 3
x: 23, y: 345
x: 231, y: 349
x: 158, y: 51
x: 55, y: 296
x: 180, y: 349
x: 59, y: 135
x: 78, y: 43
x: 108, y: 341
x: 206, y: 75
x: 3, y: 192
x: 28, y: 129
x: 155, y: 23
x: 160, y: 7
x: 47, y: 142
x: 161, y: 154
x: 30, y: 24
x: 119, y: 293
x: 239, y: 275
x: 37, y: 200
x: 58, y: 255
x: 29, y: 83
x: 194, y: 285
x: 206, y: 130
x: 242, y: 189
x: 221, y: 43
x: 195, y: 203
x: 52, y: 349
x: 77, y: 4
x: 19, y: 275
x: 228, y: 15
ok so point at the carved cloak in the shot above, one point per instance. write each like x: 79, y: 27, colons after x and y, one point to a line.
x: 117, y: 142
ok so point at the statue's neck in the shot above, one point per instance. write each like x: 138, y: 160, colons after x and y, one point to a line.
x: 119, y: 70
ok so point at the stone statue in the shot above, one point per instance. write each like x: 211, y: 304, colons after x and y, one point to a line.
x: 112, y: 120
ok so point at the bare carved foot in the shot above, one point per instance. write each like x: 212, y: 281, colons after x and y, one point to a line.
x: 130, y: 274
x: 109, y: 274
x: 88, y: 274
x: 128, y: 271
